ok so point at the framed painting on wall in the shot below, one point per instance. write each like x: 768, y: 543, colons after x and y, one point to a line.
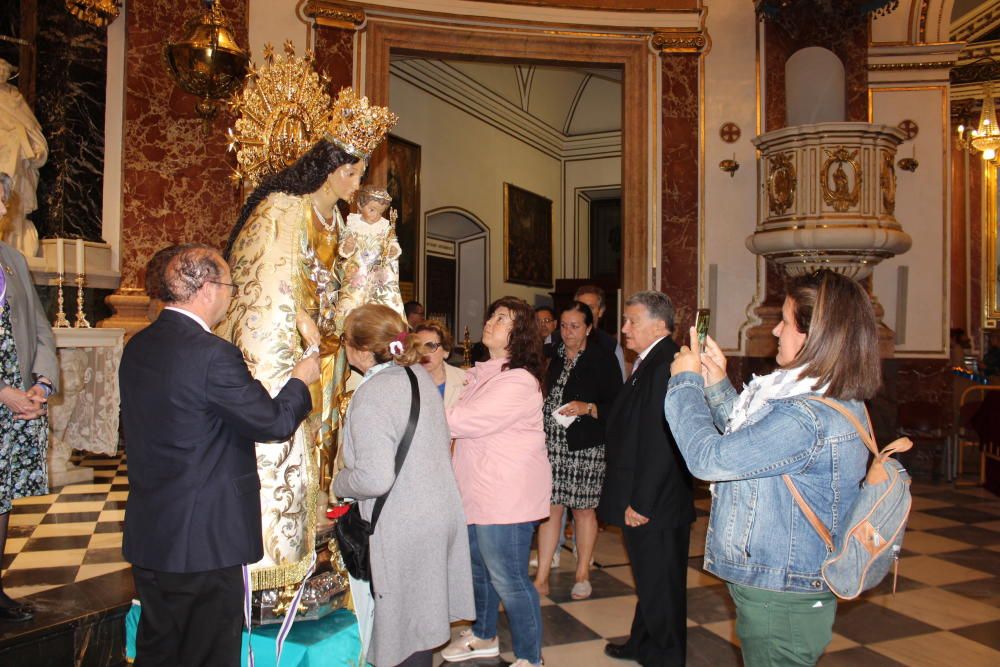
x: 527, y: 232
x: 403, y: 185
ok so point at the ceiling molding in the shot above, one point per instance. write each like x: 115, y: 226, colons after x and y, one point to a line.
x: 449, y: 84
x: 976, y: 23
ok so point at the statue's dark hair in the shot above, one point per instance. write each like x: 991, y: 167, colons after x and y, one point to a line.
x: 305, y: 176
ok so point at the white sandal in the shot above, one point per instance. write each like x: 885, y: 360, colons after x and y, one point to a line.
x: 581, y: 590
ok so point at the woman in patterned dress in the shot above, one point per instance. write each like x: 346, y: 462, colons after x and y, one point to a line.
x: 28, y: 372
x: 583, y: 380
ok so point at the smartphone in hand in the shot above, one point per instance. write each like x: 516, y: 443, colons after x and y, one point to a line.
x: 701, y: 321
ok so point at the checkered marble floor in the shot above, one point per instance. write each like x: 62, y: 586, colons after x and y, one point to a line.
x: 946, y: 610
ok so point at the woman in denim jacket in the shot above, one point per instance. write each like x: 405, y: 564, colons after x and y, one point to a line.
x: 758, y: 540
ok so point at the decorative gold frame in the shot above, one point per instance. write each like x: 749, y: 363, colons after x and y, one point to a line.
x: 841, y: 198
x: 991, y: 298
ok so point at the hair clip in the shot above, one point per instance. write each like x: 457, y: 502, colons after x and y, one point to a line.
x: 396, y: 348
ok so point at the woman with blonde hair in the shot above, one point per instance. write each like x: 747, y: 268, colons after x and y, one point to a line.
x: 436, y: 344
x: 759, y: 541
x: 420, y: 563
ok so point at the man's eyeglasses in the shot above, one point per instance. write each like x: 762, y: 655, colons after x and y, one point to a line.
x: 233, y: 289
x: 432, y: 347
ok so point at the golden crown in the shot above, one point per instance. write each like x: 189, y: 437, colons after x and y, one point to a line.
x: 357, y: 127
x: 283, y: 111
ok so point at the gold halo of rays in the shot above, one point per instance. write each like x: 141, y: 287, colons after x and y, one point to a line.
x: 281, y: 113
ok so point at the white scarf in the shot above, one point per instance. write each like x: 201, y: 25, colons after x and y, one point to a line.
x: 763, y: 388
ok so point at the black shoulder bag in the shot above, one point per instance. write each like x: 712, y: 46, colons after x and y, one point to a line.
x: 352, y: 530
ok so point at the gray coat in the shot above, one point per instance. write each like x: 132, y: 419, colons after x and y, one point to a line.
x: 420, y: 561
x: 33, y: 339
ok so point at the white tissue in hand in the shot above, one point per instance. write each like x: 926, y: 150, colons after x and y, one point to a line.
x: 561, y: 419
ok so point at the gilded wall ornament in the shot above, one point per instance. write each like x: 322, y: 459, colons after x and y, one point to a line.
x: 887, y: 179
x: 781, y: 182
x: 842, y: 196
x: 679, y: 41
x: 283, y: 111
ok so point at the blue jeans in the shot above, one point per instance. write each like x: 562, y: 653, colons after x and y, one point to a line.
x: 500, y: 555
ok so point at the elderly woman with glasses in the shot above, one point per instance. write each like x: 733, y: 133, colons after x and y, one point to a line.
x: 436, y: 344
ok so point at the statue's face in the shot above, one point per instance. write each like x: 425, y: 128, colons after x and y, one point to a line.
x: 346, y: 180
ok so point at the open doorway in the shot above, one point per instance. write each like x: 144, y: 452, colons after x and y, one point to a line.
x: 457, y: 271
x: 429, y: 48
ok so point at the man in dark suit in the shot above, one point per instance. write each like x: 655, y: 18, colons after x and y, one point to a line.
x: 191, y: 413
x: 647, y: 489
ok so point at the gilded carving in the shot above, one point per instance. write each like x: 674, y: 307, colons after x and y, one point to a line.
x: 843, y: 195
x: 283, y: 111
x: 887, y: 179
x: 334, y: 15
x: 781, y: 182
x: 681, y: 41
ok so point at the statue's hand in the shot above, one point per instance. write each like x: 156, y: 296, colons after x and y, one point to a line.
x: 307, y: 328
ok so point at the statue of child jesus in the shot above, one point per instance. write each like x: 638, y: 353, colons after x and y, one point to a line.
x: 368, y: 261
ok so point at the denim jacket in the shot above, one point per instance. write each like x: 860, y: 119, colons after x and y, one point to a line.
x: 757, y: 535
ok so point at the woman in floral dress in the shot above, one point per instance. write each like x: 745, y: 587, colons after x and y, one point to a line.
x: 28, y: 372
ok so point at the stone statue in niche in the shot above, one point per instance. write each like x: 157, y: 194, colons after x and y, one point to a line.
x: 23, y: 150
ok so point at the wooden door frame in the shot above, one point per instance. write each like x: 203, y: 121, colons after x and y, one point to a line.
x: 382, y: 37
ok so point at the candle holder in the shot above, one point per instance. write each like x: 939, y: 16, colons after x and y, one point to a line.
x: 81, y: 319
x: 61, y: 321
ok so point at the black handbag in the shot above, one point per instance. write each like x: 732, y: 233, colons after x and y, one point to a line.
x: 352, y: 530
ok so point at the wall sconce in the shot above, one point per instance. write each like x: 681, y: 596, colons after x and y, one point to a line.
x: 909, y: 164
x: 730, y: 166
x: 207, y: 61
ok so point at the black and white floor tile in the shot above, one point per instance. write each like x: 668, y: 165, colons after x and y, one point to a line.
x: 946, y: 610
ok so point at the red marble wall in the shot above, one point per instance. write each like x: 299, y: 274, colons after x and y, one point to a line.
x: 679, y: 226
x: 334, y: 49
x: 175, y: 176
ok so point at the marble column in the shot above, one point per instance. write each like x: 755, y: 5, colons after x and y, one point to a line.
x: 679, y: 224
x: 70, y: 83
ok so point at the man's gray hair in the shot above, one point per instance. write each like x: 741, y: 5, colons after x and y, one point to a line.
x: 192, y: 265
x: 657, y: 304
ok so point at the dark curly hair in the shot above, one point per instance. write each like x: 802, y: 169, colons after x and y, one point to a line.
x: 525, y: 346
x: 305, y: 176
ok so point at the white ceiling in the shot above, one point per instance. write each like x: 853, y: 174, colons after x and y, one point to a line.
x: 572, y: 101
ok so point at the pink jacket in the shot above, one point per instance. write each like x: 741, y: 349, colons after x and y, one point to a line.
x: 501, y: 463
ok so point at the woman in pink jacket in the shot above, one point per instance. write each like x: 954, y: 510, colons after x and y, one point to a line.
x: 503, y: 474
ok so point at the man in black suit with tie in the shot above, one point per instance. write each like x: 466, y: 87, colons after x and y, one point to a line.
x: 191, y: 413
x: 647, y: 489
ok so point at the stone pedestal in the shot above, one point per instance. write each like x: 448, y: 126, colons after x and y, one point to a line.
x: 131, y: 307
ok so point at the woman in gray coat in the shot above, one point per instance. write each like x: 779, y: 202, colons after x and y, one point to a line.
x: 420, y: 563
x: 28, y: 375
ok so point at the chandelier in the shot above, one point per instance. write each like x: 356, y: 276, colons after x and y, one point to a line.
x: 986, y: 138
x: 207, y: 61
x: 97, y: 12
